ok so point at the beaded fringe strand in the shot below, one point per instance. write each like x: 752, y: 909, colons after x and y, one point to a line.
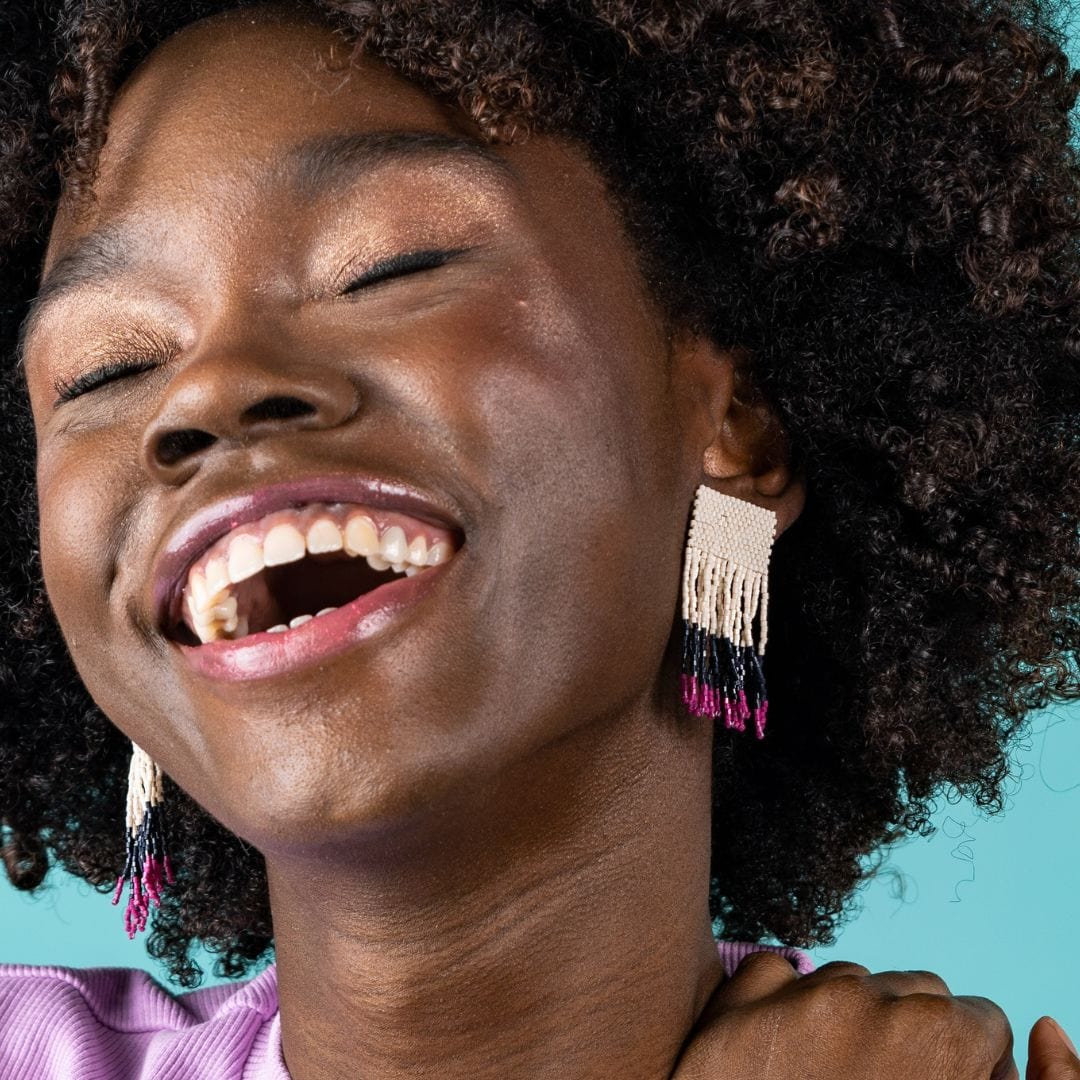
x: 725, y: 587
x: 146, y: 864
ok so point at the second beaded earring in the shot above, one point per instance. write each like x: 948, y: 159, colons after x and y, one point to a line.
x: 147, y: 868
x: 725, y: 586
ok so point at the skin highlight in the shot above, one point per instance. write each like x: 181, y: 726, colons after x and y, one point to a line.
x: 474, y: 875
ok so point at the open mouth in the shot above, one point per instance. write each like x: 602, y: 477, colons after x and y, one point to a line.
x: 299, y: 564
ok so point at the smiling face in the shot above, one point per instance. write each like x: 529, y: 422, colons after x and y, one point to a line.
x: 343, y: 306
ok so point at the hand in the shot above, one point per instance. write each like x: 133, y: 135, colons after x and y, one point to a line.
x: 1049, y: 1056
x: 842, y: 1023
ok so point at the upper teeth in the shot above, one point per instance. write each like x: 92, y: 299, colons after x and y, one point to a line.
x: 287, y: 536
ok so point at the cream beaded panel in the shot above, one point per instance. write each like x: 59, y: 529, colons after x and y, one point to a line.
x: 732, y: 529
x: 725, y: 576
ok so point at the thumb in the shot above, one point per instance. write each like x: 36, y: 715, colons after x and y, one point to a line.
x: 1051, y: 1054
x: 759, y: 975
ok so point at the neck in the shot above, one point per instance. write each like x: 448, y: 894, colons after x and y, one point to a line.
x: 552, y: 923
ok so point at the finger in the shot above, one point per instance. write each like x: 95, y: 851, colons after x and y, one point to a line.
x: 889, y: 983
x: 834, y: 969
x: 1050, y: 1055
x: 1005, y: 1067
x: 757, y: 976
x: 904, y: 983
x: 997, y: 1032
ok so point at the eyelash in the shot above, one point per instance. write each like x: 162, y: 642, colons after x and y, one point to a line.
x: 69, y: 389
x: 396, y: 266
x: 400, y: 265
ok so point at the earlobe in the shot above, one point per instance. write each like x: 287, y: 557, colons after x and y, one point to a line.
x: 748, y: 453
x: 769, y: 483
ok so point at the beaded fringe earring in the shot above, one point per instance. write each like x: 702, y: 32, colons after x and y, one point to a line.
x: 146, y: 865
x: 725, y: 585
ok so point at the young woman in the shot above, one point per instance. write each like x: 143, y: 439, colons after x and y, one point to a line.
x: 410, y: 410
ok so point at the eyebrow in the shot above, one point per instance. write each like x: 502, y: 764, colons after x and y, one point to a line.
x: 320, y: 165
x: 325, y: 163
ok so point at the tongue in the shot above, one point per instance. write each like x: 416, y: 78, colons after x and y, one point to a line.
x: 254, y: 600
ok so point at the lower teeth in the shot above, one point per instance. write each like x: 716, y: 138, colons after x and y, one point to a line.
x: 298, y: 621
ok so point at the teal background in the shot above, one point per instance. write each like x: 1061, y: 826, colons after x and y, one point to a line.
x: 988, y: 903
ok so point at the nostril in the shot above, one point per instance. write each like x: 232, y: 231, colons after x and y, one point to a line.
x: 174, y: 446
x: 278, y: 408
x: 196, y: 416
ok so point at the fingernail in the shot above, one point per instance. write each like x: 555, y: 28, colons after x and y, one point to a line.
x: 1064, y: 1038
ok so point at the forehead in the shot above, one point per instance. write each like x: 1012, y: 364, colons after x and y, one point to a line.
x: 242, y: 100
x: 246, y: 132
x: 229, y: 147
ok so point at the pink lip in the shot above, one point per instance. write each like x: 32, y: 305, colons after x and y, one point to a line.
x: 212, y: 522
x: 264, y: 655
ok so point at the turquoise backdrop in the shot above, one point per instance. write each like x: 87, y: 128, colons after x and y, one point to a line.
x: 989, y: 904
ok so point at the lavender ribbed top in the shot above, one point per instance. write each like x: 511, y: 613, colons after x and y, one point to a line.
x: 119, y: 1024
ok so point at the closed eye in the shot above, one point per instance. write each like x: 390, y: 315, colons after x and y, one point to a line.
x: 119, y: 368
x: 401, y: 265
x: 123, y: 354
x: 69, y: 389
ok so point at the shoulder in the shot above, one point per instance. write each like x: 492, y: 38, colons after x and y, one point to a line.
x: 119, y: 1022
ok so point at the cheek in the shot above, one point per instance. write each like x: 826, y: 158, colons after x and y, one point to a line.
x: 88, y: 501
x: 568, y: 417
x: 82, y: 485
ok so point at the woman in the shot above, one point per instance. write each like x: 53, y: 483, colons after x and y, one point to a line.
x: 378, y: 355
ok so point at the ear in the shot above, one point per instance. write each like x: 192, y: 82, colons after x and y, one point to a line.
x: 735, y: 440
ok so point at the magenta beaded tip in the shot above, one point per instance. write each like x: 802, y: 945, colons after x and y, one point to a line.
x: 734, y: 691
x: 147, y: 867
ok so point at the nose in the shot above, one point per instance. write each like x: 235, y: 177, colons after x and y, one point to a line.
x: 220, y: 401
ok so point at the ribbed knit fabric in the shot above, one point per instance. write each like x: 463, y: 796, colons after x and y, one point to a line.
x: 118, y: 1024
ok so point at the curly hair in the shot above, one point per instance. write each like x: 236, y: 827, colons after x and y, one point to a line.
x: 877, y: 200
